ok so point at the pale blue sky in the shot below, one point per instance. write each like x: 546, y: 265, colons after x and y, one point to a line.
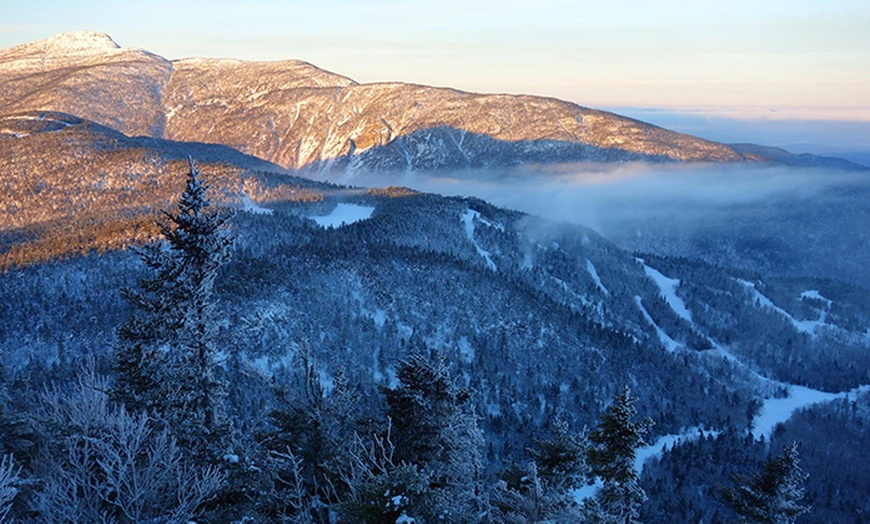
x: 765, y: 58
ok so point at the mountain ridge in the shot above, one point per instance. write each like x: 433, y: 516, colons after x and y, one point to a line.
x: 295, y: 114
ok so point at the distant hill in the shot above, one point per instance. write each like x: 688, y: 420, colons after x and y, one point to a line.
x: 781, y: 156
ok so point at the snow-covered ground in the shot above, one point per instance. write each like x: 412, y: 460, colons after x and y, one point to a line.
x: 668, y: 288
x: 40, y: 118
x: 345, y: 214
x: 468, y: 219
x: 803, y: 326
x: 249, y: 206
x: 16, y: 134
x: 823, y: 313
x: 590, y: 267
x: 656, y: 449
x: 778, y: 410
x: 774, y: 410
x: 669, y: 343
x: 814, y: 293
x: 587, y: 491
x: 644, y: 454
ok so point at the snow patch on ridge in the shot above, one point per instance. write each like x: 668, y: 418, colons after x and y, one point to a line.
x: 468, y: 219
x: 81, y: 41
x: 172, y: 111
x: 57, y: 49
x: 669, y: 343
x: 590, y: 267
x: 344, y: 214
x: 668, y: 288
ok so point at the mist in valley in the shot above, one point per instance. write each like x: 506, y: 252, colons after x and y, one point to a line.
x: 787, y: 221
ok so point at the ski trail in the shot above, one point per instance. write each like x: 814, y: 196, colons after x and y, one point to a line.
x: 468, y: 219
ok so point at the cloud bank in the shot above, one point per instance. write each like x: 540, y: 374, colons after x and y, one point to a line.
x: 604, y: 196
x: 776, y: 220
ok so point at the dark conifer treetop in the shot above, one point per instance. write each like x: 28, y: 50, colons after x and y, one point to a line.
x: 166, y: 360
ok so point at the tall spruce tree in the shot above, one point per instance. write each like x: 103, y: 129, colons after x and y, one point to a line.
x: 166, y: 356
x: 774, y: 495
x: 612, y: 456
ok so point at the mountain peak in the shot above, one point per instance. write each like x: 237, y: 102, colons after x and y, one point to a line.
x: 78, y: 41
x: 70, y: 44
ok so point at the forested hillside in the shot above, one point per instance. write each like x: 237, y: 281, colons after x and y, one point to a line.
x: 502, y: 334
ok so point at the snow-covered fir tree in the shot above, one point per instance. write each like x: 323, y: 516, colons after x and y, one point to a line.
x: 774, y: 495
x: 612, y: 455
x: 166, y: 356
x: 435, y: 429
x: 311, y: 441
x: 544, y: 489
x: 561, y: 459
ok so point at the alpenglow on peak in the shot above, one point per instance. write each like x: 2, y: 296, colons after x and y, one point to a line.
x: 73, y: 43
x: 81, y: 41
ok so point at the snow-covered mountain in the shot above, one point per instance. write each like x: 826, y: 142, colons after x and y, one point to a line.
x: 542, y: 321
x: 295, y: 114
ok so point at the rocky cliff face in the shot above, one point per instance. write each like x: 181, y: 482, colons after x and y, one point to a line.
x: 295, y: 114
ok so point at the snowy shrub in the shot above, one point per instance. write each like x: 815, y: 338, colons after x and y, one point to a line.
x: 102, y: 464
x: 8, y: 480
